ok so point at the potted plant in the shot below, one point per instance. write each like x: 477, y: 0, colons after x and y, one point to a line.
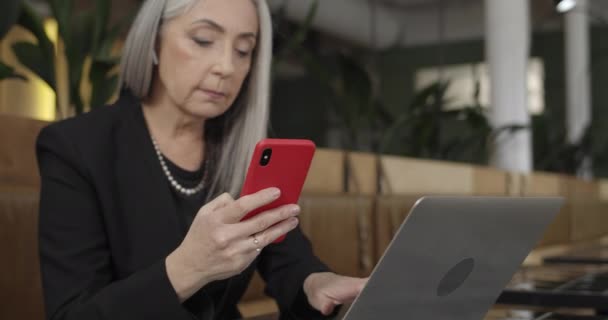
x: 86, y: 41
x: 10, y: 10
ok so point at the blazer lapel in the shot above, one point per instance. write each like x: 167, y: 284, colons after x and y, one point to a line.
x: 148, y: 208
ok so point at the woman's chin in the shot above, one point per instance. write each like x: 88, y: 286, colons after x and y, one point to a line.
x: 206, y: 111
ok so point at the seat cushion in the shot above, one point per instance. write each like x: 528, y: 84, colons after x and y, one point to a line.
x: 20, y: 285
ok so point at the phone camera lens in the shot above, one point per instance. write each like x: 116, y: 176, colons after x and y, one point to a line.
x: 266, y: 154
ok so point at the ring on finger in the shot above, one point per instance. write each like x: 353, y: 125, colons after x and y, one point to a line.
x: 256, y: 242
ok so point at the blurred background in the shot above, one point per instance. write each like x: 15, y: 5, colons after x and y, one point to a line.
x: 404, y: 98
x: 403, y: 77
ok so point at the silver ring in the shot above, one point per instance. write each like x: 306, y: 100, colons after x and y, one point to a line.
x: 257, y: 243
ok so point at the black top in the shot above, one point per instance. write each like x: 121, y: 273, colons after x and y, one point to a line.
x: 202, y: 304
x: 108, y: 220
x: 187, y: 206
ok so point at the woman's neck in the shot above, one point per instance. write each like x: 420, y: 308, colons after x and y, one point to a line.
x: 180, y: 137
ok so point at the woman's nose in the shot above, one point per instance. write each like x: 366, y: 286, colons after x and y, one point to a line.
x: 224, y: 65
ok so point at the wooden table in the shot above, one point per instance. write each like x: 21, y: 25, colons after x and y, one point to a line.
x: 510, y: 313
x: 559, y: 286
x: 593, y: 254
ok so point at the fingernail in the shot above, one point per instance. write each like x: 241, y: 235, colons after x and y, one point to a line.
x: 294, y: 221
x: 275, y: 193
x: 295, y: 210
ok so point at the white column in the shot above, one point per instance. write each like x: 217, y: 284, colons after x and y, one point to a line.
x: 578, y: 78
x: 507, y: 50
x: 578, y: 93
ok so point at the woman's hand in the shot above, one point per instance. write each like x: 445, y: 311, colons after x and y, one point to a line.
x: 219, y: 245
x: 326, y: 290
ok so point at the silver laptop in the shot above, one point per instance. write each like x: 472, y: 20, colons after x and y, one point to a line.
x: 452, y: 257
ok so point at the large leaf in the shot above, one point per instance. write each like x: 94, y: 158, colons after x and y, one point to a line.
x: 317, y: 68
x: 78, y: 47
x: 107, y: 60
x: 104, y: 84
x: 357, y: 85
x: 296, y: 41
x: 34, y: 23
x: 390, y: 134
x: 33, y: 58
x: 62, y: 11
x: 100, y: 23
x: 432, y: 94
x: 103, y: 90
x: 10, y: 13
x: 40, y: 57
x: 8, y: 72
x: 72, y: 30
x: 106, y: 42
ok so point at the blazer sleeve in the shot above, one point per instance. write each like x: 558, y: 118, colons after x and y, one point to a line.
x: 75, y: 257
x: 284, y: 267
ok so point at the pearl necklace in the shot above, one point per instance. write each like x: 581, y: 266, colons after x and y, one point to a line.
x: 181, y: 189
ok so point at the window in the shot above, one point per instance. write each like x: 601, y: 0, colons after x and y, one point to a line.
x: 464, y: 77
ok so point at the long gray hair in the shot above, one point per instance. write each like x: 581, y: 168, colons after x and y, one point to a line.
x: 245, y: 123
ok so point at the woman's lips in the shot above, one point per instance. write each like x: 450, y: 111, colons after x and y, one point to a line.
x: 214, y: 94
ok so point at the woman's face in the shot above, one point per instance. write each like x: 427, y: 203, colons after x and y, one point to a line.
x: 205, y: 55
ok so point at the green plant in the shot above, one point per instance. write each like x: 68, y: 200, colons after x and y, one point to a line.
x: 346, y: 83
x: 352, y: 98
x: 293, y: 42
x: 10, y: 10
x: 8, y: 72
x: 553, y: 152
x: 87, y: 47
x: 423, y: 128
x: 426, y: 129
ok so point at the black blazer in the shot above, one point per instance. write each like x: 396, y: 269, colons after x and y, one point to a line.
x: 107, y: 222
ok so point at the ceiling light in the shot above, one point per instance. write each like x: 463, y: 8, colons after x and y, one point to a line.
x: 563, y: 6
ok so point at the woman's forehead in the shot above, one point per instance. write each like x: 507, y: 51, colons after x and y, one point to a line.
x: 237, y: 16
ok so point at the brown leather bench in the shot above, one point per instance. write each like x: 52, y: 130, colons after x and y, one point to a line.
x: 20, y: 286
x: 390, y: 212
x: 349, y: 232
x: 340, y: 228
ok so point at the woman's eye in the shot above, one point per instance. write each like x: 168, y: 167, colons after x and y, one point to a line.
x: 202, y: 42
x: 243, y: 53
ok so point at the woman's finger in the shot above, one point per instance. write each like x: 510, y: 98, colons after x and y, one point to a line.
x: 234, y: 212
x: 265, y: 220
x: 220, y: 202
x: 262, y: 239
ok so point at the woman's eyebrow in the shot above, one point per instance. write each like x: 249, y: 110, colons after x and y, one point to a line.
x: 216, y: 26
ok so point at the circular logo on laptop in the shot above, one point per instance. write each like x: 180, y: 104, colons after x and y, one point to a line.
x: 454, y: 278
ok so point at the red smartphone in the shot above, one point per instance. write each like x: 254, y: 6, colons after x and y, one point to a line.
x: 280, y: 163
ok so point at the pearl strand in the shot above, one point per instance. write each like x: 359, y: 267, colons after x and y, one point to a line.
x: 181, y: 189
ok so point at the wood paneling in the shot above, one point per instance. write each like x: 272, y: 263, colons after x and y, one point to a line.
x: 20, y: 284
x: 362, y: 173
x: 17, y: 150
x: 414, y: 176
x: 326, y: 174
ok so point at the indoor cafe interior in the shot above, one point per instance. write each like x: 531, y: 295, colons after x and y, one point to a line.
x: 404, y: 99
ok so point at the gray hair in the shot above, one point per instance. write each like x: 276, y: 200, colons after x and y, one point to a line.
x: 248, y: 119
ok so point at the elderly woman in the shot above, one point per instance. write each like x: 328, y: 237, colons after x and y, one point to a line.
x: 138, y: 214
